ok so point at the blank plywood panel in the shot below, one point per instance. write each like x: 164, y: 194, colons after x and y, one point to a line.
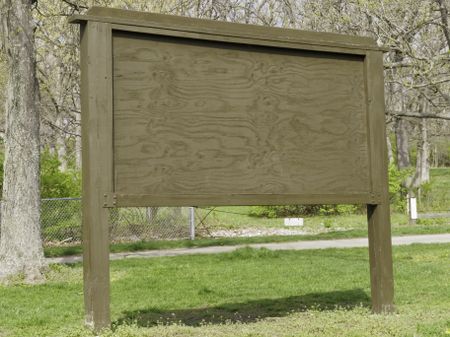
x: 199, y: 117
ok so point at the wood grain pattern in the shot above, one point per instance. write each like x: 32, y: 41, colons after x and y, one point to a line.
x: 145, y: 200
x: 97, y: 166
x: 380, y: 245
x: 208, y: 118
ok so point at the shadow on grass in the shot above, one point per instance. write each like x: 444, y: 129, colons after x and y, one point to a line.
x: 247, y: 312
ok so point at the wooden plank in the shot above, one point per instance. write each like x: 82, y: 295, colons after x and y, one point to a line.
x: 311, y: 46
x: 221, y: 119
x: 225, y: 29
x: 96, y: 123
x: 123, y: 200
x: 380, y: 245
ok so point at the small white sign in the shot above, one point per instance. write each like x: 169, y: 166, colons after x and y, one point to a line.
x: 413, y: 208
x: 293, y: 221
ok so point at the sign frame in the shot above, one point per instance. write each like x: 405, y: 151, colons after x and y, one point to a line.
x: 97, y: 29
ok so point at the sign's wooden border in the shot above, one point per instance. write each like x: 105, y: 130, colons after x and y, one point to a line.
x: 97, y: 29
x: 117, y: 20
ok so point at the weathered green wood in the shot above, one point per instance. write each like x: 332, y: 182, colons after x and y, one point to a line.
x: 380, y: 246
x: 251, y: 33
x: 142, y: 200
x: 225, y: 119
x: 96, y: 105
x: 286, y: 44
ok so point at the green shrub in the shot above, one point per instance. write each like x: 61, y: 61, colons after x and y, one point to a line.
x: 56, y: 183
x: 397, y: 189
x: 303, y: 210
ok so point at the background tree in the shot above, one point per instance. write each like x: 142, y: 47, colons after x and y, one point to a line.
x: 417, y: 67
x: 20, y: 237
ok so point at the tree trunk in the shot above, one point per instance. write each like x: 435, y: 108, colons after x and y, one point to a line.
x: 402, y: 139
x: 389, y: 150
x: 435, y: 156
x: 443, y: 9
x: 20, y: 236
x: 401, y: 125
x: 78, y: 142
x: 151, y: 213
x: 422, y: 174
x: 61, y: 144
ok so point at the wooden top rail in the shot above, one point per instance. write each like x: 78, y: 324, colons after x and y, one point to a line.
x: 233, y: 32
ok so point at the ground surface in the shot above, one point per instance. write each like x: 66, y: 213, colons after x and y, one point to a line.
x: 437, y: 227
x: 244, y: 293
x: 295, y: 245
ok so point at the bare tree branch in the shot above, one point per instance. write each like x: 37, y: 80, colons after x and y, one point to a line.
x: 444, y: 18
x: 420, y: 115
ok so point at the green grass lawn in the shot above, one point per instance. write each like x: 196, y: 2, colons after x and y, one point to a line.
x: 435, y: 195
x: 245, y: 293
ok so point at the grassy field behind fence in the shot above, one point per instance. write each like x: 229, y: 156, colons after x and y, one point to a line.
x: 434, y: 197
x: 245, y: 293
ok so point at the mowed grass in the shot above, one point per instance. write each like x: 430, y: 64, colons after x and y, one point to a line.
x: 435, y: 195
x: 245, y: 293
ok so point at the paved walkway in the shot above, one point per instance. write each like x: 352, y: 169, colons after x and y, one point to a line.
x: 297, y: 245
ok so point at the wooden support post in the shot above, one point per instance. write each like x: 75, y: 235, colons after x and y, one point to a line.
x: 378, y: 214
x: 96, y: 123
x: 380, y: 256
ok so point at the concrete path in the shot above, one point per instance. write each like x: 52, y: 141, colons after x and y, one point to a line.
x: 297, y: 245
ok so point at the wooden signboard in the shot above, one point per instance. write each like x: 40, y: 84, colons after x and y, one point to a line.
x: 185, y: 112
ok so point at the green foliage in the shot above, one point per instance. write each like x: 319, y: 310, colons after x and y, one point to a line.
x: 434, y: 195
x: 397, y: 190
x: 302, y: 210
x: 56, y: 183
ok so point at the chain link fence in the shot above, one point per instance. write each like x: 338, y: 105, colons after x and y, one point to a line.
x: 61, y: 222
